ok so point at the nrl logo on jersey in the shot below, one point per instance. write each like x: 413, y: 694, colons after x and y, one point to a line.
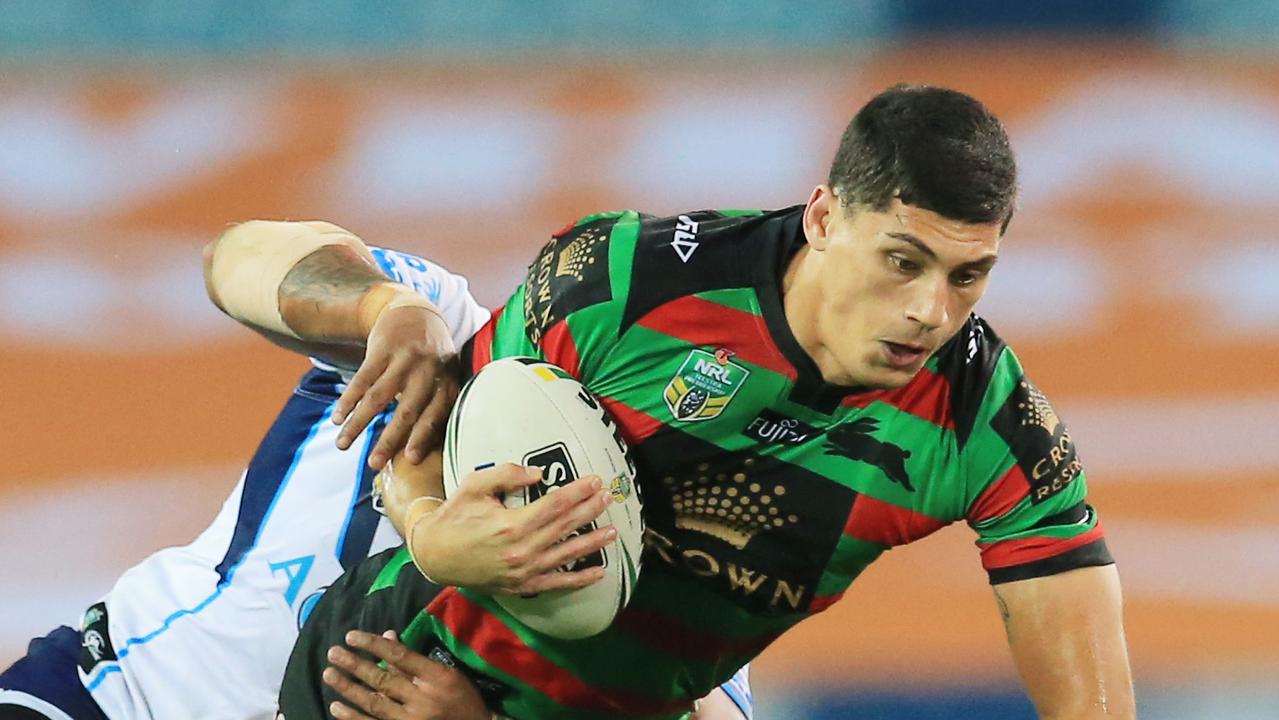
x: 704, y: 385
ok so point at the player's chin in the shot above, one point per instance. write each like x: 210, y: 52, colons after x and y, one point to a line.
x: 887, y: 377
x: 872, y: 376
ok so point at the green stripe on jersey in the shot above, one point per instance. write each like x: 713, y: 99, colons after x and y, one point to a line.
x: 509, y: 338
x: 387, y: 576
x: 601, y: 216
x: 743, y: 299
x: 649, y: 354
x: 594, y: 328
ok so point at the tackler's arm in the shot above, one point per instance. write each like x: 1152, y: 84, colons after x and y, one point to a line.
x: 313, y: 287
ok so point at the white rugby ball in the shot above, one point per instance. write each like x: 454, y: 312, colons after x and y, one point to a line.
x: 530, y: 412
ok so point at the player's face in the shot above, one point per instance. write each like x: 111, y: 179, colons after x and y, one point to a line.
x: 891, y: 286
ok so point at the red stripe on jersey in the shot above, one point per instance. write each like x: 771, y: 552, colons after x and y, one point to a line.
x: 1001, y: 496
x: 558, y: 348
x: 636, y: 426
x: 926, y: 396
x: 702, y: 322
x: 482, y: 344
x: 876, y: 521
x: 673, y: 637
x: 821, y: 602
x: 500, y: 647
x: 1010, y: 553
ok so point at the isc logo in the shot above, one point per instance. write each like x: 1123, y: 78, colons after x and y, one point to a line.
x: 685, y: 240
x: 558, y: 471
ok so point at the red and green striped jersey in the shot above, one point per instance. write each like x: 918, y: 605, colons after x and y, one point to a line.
x: 767, y: 491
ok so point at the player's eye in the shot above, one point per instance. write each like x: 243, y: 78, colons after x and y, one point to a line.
x: 903, y: 264
x: 965, y: 279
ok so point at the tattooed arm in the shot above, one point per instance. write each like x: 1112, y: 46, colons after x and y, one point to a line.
x: 319, y: 300
x: 1067, y: 639
x: 314, y: 288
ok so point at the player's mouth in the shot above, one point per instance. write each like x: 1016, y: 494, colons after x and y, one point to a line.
x: 904, y: 356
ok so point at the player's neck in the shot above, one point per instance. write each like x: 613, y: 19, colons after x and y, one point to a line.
x: 799, y: 300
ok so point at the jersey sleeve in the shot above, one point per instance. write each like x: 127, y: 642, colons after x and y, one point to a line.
x: 449, y: 292
x: 568, y: 311
x: 1026, y: 484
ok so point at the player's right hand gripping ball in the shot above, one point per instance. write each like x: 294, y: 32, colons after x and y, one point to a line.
x: 530, y: 412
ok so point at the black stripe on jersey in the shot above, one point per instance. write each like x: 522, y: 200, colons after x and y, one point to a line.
x: 759, y: 529
x: 1093, y: 554
x: 968, y: 361
x: 704, y: 250
x: 466, y: 358
x: 1076, y: 514
x: 570, y: 273
x: 1038, y: 439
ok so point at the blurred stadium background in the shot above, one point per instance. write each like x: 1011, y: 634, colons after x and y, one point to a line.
x: 1140, y: 280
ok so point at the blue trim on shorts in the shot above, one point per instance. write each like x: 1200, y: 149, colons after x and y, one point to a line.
x: 362, y: 520
x: 264, y: 483
x: 738, y: 689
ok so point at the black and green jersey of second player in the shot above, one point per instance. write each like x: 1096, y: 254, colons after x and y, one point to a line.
x: 767, y: 491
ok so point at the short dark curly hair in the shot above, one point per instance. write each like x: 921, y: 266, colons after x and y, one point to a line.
x: 933, y: 148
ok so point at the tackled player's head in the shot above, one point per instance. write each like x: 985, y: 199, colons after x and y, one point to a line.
x: 902, y: 237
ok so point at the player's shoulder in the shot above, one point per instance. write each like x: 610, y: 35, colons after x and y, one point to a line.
x: 972, y: 363
x: 638, y: 261
x: 708, y: 250
x: 571, y: 272
x: 713, y: 246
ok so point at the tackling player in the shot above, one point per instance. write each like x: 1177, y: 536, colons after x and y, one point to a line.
x: 204, y: 630
x: 803, y: 389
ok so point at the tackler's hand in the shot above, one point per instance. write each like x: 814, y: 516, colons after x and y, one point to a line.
x: 410, y: 687
x: 475, y: 541
x: 409, y: 360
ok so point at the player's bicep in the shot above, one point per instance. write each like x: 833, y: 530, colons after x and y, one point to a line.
x: 1066, y: 636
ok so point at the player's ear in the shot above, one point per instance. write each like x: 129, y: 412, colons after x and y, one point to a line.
x: 822, y: 204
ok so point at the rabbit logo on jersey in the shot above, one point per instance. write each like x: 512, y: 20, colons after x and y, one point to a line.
x: 704, y: 385
x: 558, y: 471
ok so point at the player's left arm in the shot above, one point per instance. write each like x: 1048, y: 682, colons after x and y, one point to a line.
x: 1041, y: 543
x: 1067, y: 638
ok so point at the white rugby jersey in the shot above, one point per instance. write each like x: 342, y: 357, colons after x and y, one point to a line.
x: 204, y: 631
